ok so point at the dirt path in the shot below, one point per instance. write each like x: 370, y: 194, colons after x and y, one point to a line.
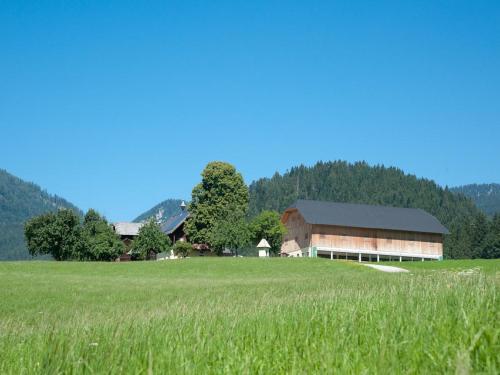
x: 386, y: 268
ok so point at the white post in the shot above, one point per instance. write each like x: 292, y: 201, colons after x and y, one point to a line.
x: 378, y: 258
x: 400, y: 258
x: 331, y: 255
x: 422, y: 259
x: 359, y: 257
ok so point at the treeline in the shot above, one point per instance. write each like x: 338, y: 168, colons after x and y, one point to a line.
x: 472, y: 233
x: 218, y: 220
x: 64, y: 236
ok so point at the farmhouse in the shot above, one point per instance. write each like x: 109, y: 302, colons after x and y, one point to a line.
x: 127, y: 232
x: 361, y: 232
x: 173, y: 227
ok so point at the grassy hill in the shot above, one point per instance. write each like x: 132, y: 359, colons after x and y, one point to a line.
x: 19, y: 201
x: 485, y: 196
x: 163, y: 210
x: 248, y: 315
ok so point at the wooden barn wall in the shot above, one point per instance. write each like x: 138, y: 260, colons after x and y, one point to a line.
x: 377, y: 240
x: 298, y: 233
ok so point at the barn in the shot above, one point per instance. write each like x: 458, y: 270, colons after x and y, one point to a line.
x: 361, y: 232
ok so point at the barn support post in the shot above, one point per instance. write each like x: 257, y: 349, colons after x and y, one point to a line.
x: 378, y: 258
x: 359, y: 257
x: 331, y: 255
x: 400, y: 258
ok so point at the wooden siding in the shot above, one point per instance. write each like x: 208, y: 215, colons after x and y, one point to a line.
x: 298, y: 232
x: 375, y: 240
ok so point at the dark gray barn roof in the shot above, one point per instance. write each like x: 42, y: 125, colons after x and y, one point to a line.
x: 368, y: 216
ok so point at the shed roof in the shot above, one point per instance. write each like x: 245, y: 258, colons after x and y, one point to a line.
x: 368, y: 216
x: 127, y: 229
x: 263, y: 244
x: 173, y: 222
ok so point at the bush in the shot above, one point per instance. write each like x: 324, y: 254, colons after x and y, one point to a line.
x: 182, y: 248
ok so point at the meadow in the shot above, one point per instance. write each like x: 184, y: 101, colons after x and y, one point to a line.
x: 244, y: 315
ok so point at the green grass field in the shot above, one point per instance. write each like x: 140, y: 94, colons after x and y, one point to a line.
x: 227, y: 315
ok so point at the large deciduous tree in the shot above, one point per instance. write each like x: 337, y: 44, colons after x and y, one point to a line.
x: 100, y: 241
x: 269, y: 226
x: 57, y: 234
x: 232, y: 233
x: 221, y: 192
x: 150, y: 240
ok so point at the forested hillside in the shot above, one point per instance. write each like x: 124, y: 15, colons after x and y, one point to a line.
x: 486, y: 196
x: 360, y: 183
x: 19, y: 201
x: 162, y: 210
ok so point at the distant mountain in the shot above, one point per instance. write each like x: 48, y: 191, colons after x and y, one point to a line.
x: 340, y: 181
x: 162, y: 211
x: 486, y: 196
x: 20, y: 201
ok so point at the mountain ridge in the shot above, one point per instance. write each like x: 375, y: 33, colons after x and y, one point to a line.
x: 485, y: 196
x: 19, y: 201
x: 162, y: 211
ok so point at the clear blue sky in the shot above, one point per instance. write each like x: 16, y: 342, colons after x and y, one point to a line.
x: 118, y: 105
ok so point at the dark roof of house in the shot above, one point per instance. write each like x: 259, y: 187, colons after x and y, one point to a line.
x: 174, y: 222
x: 368, y: 216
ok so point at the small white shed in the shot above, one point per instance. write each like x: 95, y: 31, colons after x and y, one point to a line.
x: 263, y: 247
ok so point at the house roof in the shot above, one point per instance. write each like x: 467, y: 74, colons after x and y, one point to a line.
x: 173, y: 222
x: 127, y: 229
x: 367, y: 216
